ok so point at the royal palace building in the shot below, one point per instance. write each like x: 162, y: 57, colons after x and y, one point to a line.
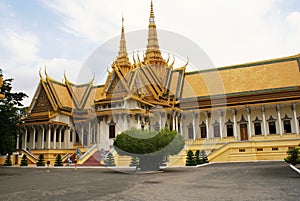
x: 237, y: 113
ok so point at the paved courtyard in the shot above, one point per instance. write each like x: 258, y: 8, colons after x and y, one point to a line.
x: 228, y: 181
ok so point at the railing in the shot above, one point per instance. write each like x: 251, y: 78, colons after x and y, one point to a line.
x: 30, y: 154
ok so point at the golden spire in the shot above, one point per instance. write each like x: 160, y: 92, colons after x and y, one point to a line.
x: 153, y: 54
x: 122, y: 59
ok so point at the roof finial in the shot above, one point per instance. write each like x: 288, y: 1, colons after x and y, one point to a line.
x: 152, y: 11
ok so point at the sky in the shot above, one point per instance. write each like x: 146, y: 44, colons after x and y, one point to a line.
x: 62, y: 34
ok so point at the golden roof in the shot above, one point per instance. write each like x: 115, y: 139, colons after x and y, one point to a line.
x: 264, y: 75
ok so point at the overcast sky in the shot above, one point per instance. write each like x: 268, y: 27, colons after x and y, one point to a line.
x: 61, y: 34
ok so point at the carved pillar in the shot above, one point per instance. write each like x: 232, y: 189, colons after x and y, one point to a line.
x: 49, y: 137
x: 25, y: 140
x: 43, y: 137
x: 59, y: 139
x: 17, y: 143
x: 279, y: 119
x: 176, y: 122
x: 294, y: 107
x: 66, y: 137
x: 33, y: 138
x: 194, y: 125
x: 173, y: 121
x: 264, y: 120
x: 221, y: 114
x: 206, y: 124
x: 54, y: 139
x: 160, y: 120
x: 82, y: 132
x: 249, y: 122
x: 234, y: 111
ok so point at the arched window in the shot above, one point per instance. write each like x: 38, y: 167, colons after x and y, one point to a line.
x: 203, y: 130
x: 112, y: 129
x: 272, y: 125
x: 257, y: 126
x: 216, y: 127
x: 229, y: 128
x: 287, y: 124
x: 190, y: 131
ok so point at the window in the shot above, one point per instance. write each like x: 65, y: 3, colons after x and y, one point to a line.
x: 216, y: 130
x: 71, y: 136
x: 57, y: 136
x: 287, y: 126
x: 36, y: 137
x: 242, y: 150
x: 112, y: 131
x: 275, y: 149
x: 257, y: 128
x: 259, y: 149
x: 191, y: 132
x: 77, y: 137
x: 272, y: 127
x: 62, y: 135
x: 203, y: 131
x: 28, y: 137
x: 52, y: 136
x: 45, y: 136
x: 229, y: 130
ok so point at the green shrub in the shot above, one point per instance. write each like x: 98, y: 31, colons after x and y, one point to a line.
x: 110, y: 161
x: 41, y: 161
x: 58, y: 161
x: 293, y: 156
x: 197, y: 158
x: 203, y: 156
x: 134, y: 161
x: 24, y: 161
x: 190, y: 159
x: 8, y: 161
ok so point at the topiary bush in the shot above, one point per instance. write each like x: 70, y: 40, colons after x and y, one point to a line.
x: 197, y: 158
x: 41, y: 161
x: 134, y: 161
x: 24, y: 161
x: 203, y: 156
x: 8, y: 161
x: 190, y: 159
x: 58, y: 161
x: 110, y: 161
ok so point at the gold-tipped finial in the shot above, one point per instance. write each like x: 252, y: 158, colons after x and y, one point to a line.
x: 152, y: 11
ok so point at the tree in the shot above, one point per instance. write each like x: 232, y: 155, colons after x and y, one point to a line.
x: 149, y: 146
x: 10, y: 112
x: 8, y: 161
x: 190, y: 160
x: 41, y: 161
x: 197, y: 158
x: 293, y: 156
x: 203, y: 156
x: 58, y: 161
x: 134, y: 161
x: 110, y: 161
x: 24, y: 161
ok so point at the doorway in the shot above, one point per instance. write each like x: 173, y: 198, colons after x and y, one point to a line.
x: 243, y: 132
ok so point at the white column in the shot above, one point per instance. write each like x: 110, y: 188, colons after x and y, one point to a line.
x: 82, y: 131
x: 181, y: 124
x: 25, y: 140
x: 54, y: 139
x: 294, y: 107
x: 176, y: 122
x: 138, y: 122
x: 18, y: 139
x: 43, y: 136
x: 234, y: 111
x: 49, y: 136
x: 173, y: 122
x: 160, y: 121
x: 59, y: 139
x: 264, y: 120
x: 89, y: 134
x: 249, y: 122
x: 99, y: 131
x: 33, y: 138
x: 206, y: 124
x: 221, y: 113
x: 67, y: 137
x: 279, y: 119
x: 194, y: 123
